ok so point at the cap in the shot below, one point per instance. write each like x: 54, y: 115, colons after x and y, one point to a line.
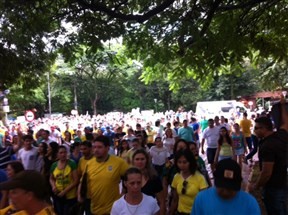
x: 228, y: 175
x: 29, y: 180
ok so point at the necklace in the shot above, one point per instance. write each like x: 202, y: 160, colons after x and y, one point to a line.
x: 132, y: 208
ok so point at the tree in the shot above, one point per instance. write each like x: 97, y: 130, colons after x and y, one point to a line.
x: 184, y: 38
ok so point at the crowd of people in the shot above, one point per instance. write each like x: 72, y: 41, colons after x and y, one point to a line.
x: 135, y: 165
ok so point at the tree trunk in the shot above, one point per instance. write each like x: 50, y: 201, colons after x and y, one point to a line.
x: 94, y: 104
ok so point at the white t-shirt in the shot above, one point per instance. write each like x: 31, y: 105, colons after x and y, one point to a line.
x: 212, y: 136
x: 169, y: 143
x: 159, y: 155
x: 148, y: 206
x: 28, y: 158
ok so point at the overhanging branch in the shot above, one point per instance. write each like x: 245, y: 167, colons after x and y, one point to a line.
x: 98, y: 7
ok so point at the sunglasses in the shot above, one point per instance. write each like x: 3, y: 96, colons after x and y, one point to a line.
x: 183, y: 191
x: 256, y: 128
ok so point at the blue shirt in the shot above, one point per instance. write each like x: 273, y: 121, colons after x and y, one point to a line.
x: 209, y: 202
x: 186, y: 133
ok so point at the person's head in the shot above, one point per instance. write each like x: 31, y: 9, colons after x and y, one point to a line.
x: 124, y: 145
x: 185, y: 161
x: 86, y: 148
x: 176, y: 124
x: 68, y: 136
x: 75, y: 147
x: 30, y: 132
x: 158, y: 142
x: 14, y: 167
x: 26, y: 189
x: 130, y: 131
x: 138, y: 127
x: 62, y: 153
x: 136, y: 143
x: 148, y: 127
x: 27, y: 141
x: 227, y: 178
x: 185, y: 123
x: 133, y: 180
x: 169, y: 133
x: 79, y: 133
x: 216, y: 120
x: 193, y: 148
x: 168, y: 125
x: 108, y: 129
x: 139, y: 137
x: 224, y: 134
x: 42, y: 148
x: 211, y: 123
x: 101, y: 146
x: 263, y: 127
x: 45, y: 134
x: 119, y: 130
x: 180, y: 144
x: 222, y: 119
x: 52, y: 150
x: 140, y: 159
x: 245, y: 114
x: 236, y: 127
x: 157, y: 123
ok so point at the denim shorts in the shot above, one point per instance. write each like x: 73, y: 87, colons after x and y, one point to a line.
x: 211, y: 152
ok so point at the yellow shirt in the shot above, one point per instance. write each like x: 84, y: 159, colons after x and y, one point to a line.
x: 47, y: 211
x: 81, y: 168
x: 195, y: 183
x: 103, y: 183
x: 245, y: 125
x: 63, y: 177
x: 150, y: 134
x: 10, y: 210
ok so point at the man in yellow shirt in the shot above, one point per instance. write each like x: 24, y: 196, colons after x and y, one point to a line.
x: 103, y: 176
x: 28, y: 194
x: 246, y: 125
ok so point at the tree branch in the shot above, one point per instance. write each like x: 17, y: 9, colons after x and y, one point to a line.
x: 96, y: 6
x: 250, y: 3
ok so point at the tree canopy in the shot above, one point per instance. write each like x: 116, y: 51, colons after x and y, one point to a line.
x: 173, y: 38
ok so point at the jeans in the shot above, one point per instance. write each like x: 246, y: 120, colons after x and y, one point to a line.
x: 275, y: 200
x: 62, y: 205
x: 255, y: 147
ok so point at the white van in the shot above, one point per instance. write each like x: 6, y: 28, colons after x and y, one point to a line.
x: 210, y: 109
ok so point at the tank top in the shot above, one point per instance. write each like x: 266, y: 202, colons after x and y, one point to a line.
x: 237, y: 140
x: 226, y: 150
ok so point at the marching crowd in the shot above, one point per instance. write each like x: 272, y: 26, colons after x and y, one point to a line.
x: 134, y: 165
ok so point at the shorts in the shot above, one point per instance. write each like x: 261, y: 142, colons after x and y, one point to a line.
x: 239, y: 151
x: 211, y: 152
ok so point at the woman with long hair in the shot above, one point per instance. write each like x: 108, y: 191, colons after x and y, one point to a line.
x: 134, y: 201
x: 151, y: 182
x: 187, y: 183
x: 123, y: 149
x: 239, y: 144
x: 225, y: 149
x: 63, y: 180
x: 169, y: 141
x: 42, y: 151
